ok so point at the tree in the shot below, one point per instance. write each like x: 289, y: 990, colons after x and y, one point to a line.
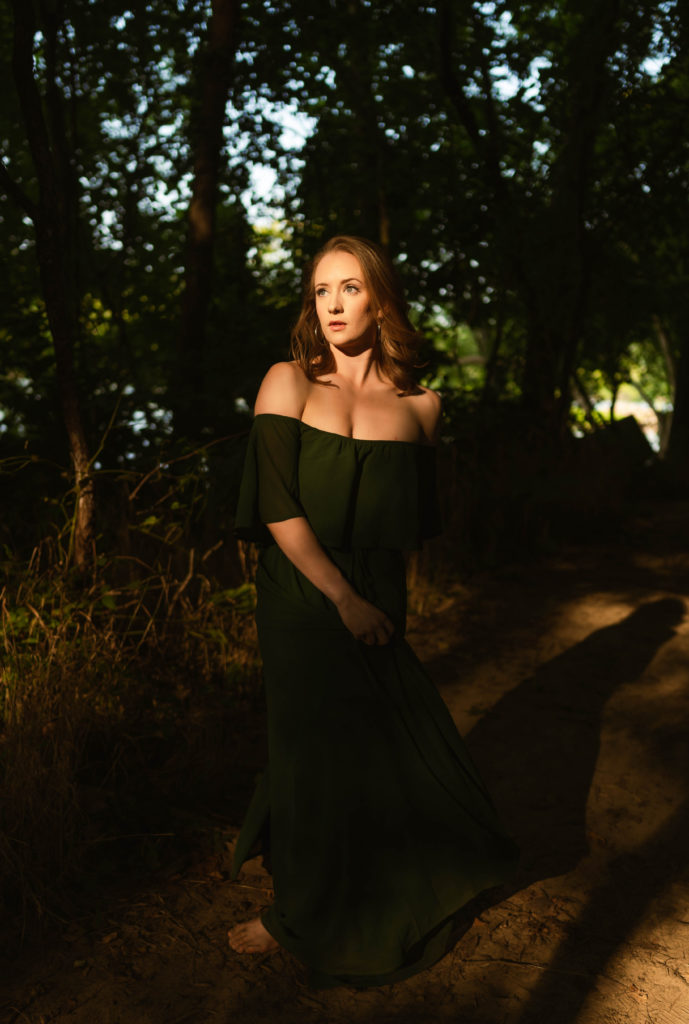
x: 208, y: 118
x: 55, y: 217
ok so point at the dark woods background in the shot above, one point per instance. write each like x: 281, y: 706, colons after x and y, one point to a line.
x: 526, y: 166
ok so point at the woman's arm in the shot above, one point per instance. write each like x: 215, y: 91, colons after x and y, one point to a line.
x: 283, y: 392
x: 298, y: 542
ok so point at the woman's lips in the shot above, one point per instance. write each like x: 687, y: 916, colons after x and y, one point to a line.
x: 336, y: 325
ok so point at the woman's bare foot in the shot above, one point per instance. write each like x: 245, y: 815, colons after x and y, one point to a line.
x: 251, y: 937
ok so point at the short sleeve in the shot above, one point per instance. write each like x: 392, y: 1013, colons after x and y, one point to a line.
x: 269, y: 491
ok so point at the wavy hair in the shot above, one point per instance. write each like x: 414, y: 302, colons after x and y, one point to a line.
x: 397, y: 343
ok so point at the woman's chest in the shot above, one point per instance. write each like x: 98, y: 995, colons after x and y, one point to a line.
x: 381, y: 415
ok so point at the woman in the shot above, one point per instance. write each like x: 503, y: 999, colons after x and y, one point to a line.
x: 380, y: 829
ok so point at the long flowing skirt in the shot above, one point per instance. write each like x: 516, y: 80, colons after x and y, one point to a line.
x: 380, y: 827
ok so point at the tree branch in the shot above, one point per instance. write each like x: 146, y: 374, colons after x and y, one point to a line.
x: 643, y: 394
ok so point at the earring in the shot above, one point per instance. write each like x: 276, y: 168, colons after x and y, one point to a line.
x: 378, y: 331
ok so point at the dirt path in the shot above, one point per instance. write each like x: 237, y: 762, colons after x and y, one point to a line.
x: 570, y: 681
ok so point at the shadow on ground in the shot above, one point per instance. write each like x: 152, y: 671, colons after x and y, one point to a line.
x: 538, y: 748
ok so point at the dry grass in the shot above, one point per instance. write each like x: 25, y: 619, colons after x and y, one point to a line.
x: 84, y: 671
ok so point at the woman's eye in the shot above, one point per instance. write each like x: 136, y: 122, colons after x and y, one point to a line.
x: 351, y: 288
x: 320, y: 292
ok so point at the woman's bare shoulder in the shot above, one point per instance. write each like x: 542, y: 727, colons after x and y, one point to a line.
x: 283, y: 391
x: 428, y: 408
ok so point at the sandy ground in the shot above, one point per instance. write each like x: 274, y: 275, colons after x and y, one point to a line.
x: 570, y: 682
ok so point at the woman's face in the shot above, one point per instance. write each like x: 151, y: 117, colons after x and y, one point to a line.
x: 342, y: 301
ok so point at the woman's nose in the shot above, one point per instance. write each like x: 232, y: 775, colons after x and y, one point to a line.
x: 335, y: 304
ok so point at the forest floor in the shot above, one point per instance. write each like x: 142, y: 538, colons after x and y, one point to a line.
x: 569, y: 678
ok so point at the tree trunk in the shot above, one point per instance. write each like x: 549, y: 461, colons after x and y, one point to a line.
x: 54, y: 217
x: 668, y: 354
x: 215, y: 79
x: 565, y: 274
x: 677, y: 455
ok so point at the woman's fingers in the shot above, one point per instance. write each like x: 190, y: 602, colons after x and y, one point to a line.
x: 369, y: 624
x: 382, y: 634
x: 385, y: 631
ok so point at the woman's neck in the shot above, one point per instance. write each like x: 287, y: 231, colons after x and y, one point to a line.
x: 357, y: 369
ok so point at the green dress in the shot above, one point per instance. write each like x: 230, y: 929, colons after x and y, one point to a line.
x: 379, y: 827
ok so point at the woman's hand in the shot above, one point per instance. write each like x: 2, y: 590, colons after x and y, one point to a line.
x: 297, y: 540
x: 364, y: 620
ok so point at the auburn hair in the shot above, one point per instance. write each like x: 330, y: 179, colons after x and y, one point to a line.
x: 397, y: 344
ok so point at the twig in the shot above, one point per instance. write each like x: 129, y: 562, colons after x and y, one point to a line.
x: 181, y: 458
x: 134, y: 835
x: 540, y: 967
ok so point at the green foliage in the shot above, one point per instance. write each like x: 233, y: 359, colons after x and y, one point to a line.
x: 521, y: 162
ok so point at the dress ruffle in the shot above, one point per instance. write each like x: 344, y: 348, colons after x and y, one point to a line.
x: 354, y: 493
